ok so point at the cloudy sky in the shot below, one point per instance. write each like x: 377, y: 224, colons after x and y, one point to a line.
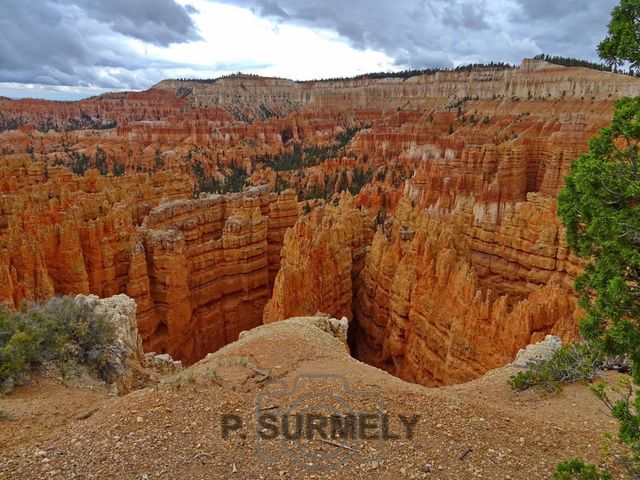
x: 69, y: 49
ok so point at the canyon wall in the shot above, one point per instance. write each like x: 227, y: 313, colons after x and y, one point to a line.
x: 74, y: 234
x: 435, y: 308
x: 253, y: 96
x: 197, y: 269
x: 432, y: 301
x: 429, y: 208
x: 469, y: 262
x: 208, y: 263
x: 323, y: 255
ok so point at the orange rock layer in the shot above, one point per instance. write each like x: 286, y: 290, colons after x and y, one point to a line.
x: 208, y: 265
x: 198, y: 269
x: 436, y: 308
x: 427, y: 302
x: 457, y: 171
x: 323, y: 256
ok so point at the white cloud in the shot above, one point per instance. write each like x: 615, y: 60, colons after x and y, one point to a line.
x: 92, y: 45
x: 236, y: 39
x: 231, y: 39
x: 48, y: 92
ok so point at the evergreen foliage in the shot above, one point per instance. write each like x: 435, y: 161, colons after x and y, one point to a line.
x: 235, y: 180
x: 573, y: 363
x: 80, y: 162
x: 578, y: 470
x: 101, y: 161
x: 573, y: 62
x: 622, y: 44
x: 600, y: 208
x: 404, y: 74
x: 59, y: 331
x: 300, y: 157
x: 117, y: 169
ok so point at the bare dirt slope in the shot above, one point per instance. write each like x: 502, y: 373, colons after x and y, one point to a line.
x: 475, y: 430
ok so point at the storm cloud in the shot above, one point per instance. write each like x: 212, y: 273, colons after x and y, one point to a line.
x: 85, y: 42
x: 430, y: 33
x: 103, y: 43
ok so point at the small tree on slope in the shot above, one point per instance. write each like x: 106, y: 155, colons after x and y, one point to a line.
x: 600, y: 207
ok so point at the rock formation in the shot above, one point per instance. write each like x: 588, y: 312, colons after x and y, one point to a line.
x: 334, y: 327
x: 129, y: 365
x: 536, y: 352
x: 427, y: 313
x: 76, y: 234
x: 198, y: 269
x: 425, y: 301
x: 535, y: 79
x: 322, y: 256
x: 447, y: 260
x: 208, y: 264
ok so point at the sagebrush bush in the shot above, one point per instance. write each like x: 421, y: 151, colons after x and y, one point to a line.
x: 623, y: 403
x: 60, y: 331
x: 573, y: 363
x: 578, y: 470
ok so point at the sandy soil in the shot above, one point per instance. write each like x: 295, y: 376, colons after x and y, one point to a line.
x: 479, y: 429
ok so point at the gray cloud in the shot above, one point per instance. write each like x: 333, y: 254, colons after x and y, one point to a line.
x: 84, y: 42
x: 567, y: 27
x: 160, y: 22
x: 427, y: 33
x: 87, y: 43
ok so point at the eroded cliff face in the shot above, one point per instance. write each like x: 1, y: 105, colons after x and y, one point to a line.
x: 197, y: 269
x: 434, y: 307
x: 208, y: 262
x: 75, y: 234
x: 534, y: 79
x: 428, y: 301
x: 446, y: 255
x: 323, y: 255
